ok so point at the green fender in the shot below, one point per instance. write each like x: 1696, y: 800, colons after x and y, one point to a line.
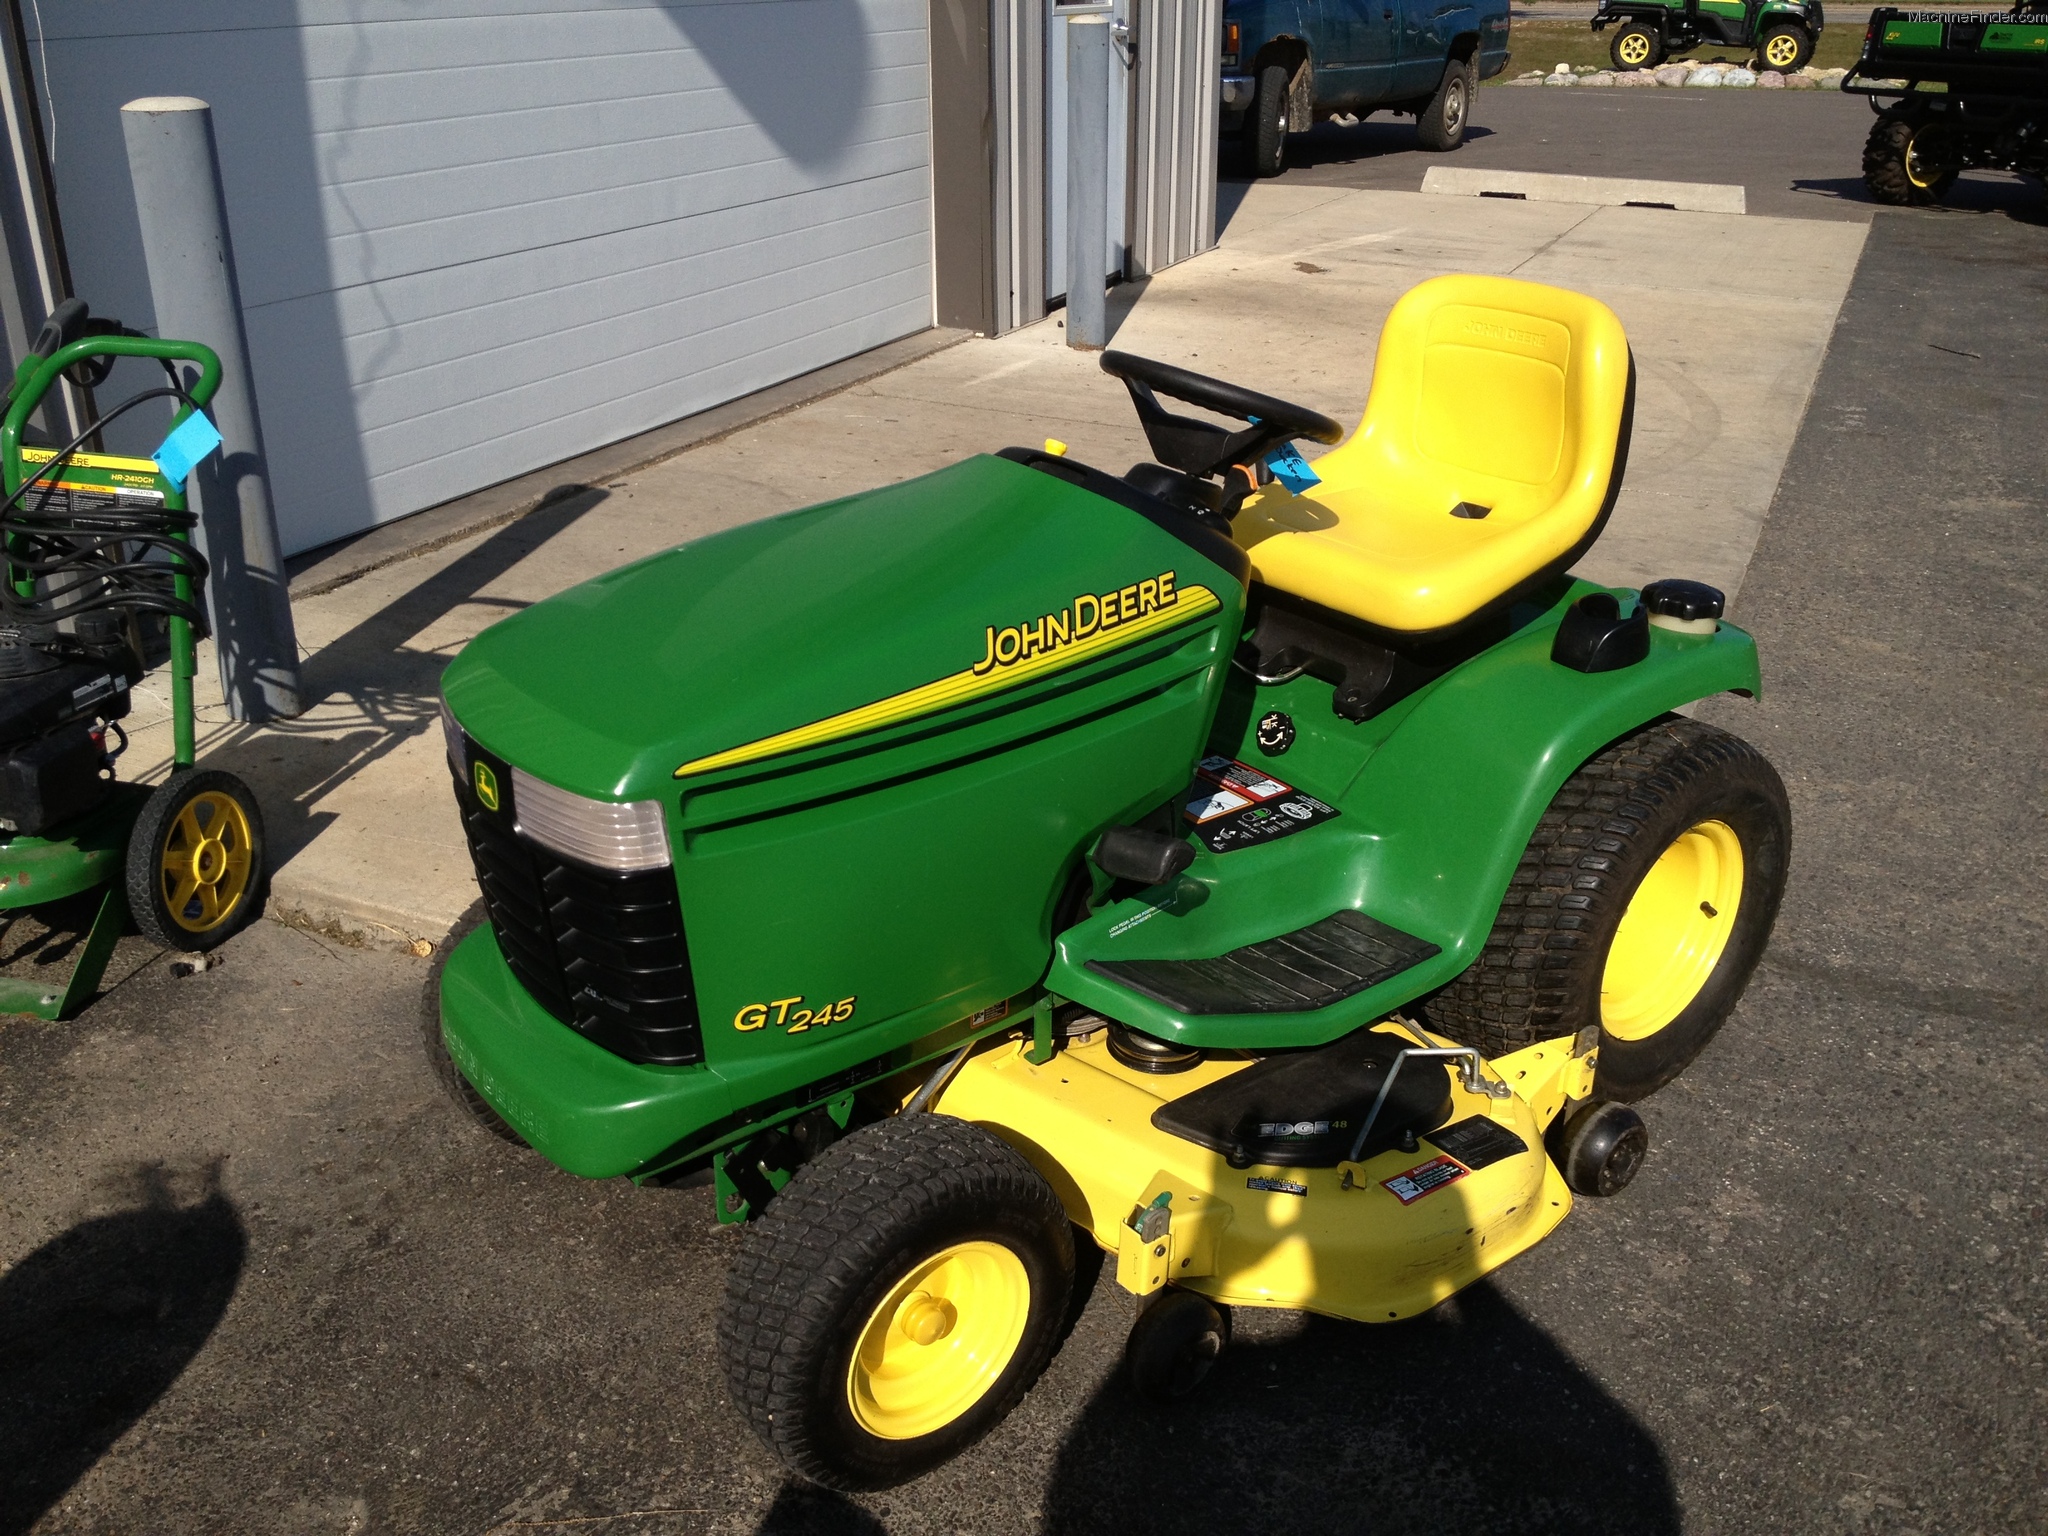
x: 1437, y: 799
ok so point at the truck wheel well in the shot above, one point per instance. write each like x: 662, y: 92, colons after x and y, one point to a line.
x: 1464, y: 46
x: 1288, y: 52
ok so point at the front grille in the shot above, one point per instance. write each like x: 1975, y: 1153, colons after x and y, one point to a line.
x: 601, y: 951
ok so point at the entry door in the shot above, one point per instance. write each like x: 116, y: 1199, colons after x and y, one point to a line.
x: 1120, y: 60
x: 1360, y: 41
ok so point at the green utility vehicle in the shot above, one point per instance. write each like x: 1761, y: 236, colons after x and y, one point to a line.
x: 101, y: 584
x: 1953, y: 90
x: 1282, y: 879
x: 1784, y: 33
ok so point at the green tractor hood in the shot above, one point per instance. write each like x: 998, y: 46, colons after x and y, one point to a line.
x: 730, y: 644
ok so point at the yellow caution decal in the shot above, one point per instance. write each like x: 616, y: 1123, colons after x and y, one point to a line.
x: 1089, y: 625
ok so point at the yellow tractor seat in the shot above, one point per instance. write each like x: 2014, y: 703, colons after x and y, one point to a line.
x: 1491, y: 452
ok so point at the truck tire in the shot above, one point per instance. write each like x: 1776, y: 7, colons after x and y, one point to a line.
x: 1640, y: 907
x: 896, y: 1301
x: 1265, y: 126
x: 1785, y: 49
x: 1637, y: 46
x: 1440, y: 126
x: 1894, y: 166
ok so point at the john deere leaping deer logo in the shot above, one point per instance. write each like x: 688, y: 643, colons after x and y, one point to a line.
x: 486, y: 786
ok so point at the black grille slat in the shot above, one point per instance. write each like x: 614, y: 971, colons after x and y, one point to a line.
x: 602, y: 952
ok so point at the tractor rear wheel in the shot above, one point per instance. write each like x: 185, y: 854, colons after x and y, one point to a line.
x: 1785, y: 49
x: 1637, y: 46
x: 896, y: 1301
x: 1902, y: 163
x: 1640, y: 907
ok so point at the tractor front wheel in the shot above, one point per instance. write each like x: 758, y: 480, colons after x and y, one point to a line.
x: 1641, y: 906
x: 1637, y: 46
x: 1903, y: 161
x: 1784, y: 49
x: 195, y: 873
x: 896, y: 1301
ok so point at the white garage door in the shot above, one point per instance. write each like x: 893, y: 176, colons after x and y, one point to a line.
x: 480, y: 236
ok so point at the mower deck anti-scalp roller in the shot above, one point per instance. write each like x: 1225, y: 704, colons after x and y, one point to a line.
x: 1275, y: 879
x: 101, y: 584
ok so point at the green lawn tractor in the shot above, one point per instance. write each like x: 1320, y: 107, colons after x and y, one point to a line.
x: 1953, y: 91
x: 101, y: 584
x: 1277, y: 880
x: 1783, y: 33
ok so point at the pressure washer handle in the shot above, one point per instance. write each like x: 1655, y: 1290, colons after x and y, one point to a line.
x: 31, y: 384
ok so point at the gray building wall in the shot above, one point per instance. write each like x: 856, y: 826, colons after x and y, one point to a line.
x: 480, y: 236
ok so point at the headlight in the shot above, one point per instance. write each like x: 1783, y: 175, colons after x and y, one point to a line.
x: 627, y: 837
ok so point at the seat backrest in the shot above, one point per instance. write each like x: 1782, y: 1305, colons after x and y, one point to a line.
x: 1507, y: 394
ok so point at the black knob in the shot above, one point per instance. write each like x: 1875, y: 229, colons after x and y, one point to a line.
x: 1680, y: 599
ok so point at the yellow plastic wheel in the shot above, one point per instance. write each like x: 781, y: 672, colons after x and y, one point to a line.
x: 1673, y: 933
x: 195, y: 860
x: 938, y: 1341
x: 1921, y: 168
x: 1781, y: 50
x: 1633, y: 50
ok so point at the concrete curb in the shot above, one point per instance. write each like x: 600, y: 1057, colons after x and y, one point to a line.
x: 1601, y: 191
x: 337, y: 564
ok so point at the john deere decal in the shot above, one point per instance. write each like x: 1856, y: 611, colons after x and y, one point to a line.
x: 1087, y: 626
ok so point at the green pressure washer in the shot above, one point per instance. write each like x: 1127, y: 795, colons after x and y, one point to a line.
x: 102, y: 584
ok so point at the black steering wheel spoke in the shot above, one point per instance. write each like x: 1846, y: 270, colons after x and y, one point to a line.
x: 1202, y: 448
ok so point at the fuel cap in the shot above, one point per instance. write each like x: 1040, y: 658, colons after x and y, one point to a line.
x: 1690, y: 607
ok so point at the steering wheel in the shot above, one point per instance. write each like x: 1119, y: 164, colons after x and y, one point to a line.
x: 1201, y: 448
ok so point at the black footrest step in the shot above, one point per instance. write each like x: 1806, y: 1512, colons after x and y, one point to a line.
x: 1309, y: 968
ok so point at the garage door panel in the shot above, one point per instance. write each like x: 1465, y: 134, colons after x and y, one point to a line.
x: 644, y: 286
x: 478, y: 236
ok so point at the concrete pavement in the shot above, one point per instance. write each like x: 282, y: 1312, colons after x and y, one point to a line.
x: 364, y: 837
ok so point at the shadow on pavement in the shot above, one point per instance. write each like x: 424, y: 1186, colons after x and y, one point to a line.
x: 1468, y: 1418
x: 801, y: 1509
x: 1992, y: 192
x: 97, y: 1324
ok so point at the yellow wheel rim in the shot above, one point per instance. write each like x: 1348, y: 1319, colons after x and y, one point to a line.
x: 1673, y: 933
x: 1918, y: 171
x: 1781, y: 50
x: 205, y: 861
x: 940, y: 1339
x: 1634, y: 49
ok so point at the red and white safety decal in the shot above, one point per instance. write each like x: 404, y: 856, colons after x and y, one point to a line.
x: 1424, y: 1179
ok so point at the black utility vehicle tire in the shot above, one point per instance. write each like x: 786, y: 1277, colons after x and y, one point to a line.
x: 162, y: 832
x: 1800, y: 59
x: 1888, y: 171
x: 853, y: 1224
x: 439, y: 1062
x: 1650, y: 35
x: 1265, y: 126
x: 1440, y: 126
x: 1540, y: 974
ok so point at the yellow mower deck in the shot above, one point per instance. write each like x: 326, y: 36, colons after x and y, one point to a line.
x: 1374, y: 1241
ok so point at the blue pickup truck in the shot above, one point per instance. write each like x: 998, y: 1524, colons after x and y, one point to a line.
x: 1288, y: 63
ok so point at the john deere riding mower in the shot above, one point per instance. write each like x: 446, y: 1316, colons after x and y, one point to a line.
x: 1282, y: 885
x: 101, y: 584
x: 1784, y: 33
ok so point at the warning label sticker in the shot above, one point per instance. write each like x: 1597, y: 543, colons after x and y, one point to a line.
x: 1236, y: 805
x: 1423, y: 1179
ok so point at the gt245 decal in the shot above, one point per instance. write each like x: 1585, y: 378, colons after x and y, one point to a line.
x: 792, y: 1014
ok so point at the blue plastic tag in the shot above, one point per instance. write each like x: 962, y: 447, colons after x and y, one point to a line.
x: 192, y: 441
x: 1291, y: 469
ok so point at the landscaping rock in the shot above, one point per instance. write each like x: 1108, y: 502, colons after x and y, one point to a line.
x: 1739, y: 77
x: 1798, y: 83
x: 1770, y: 80
x: 1672, y: 74
x: 1560, y: 79
x: 1703, y: 77
x: 1603, y: 78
